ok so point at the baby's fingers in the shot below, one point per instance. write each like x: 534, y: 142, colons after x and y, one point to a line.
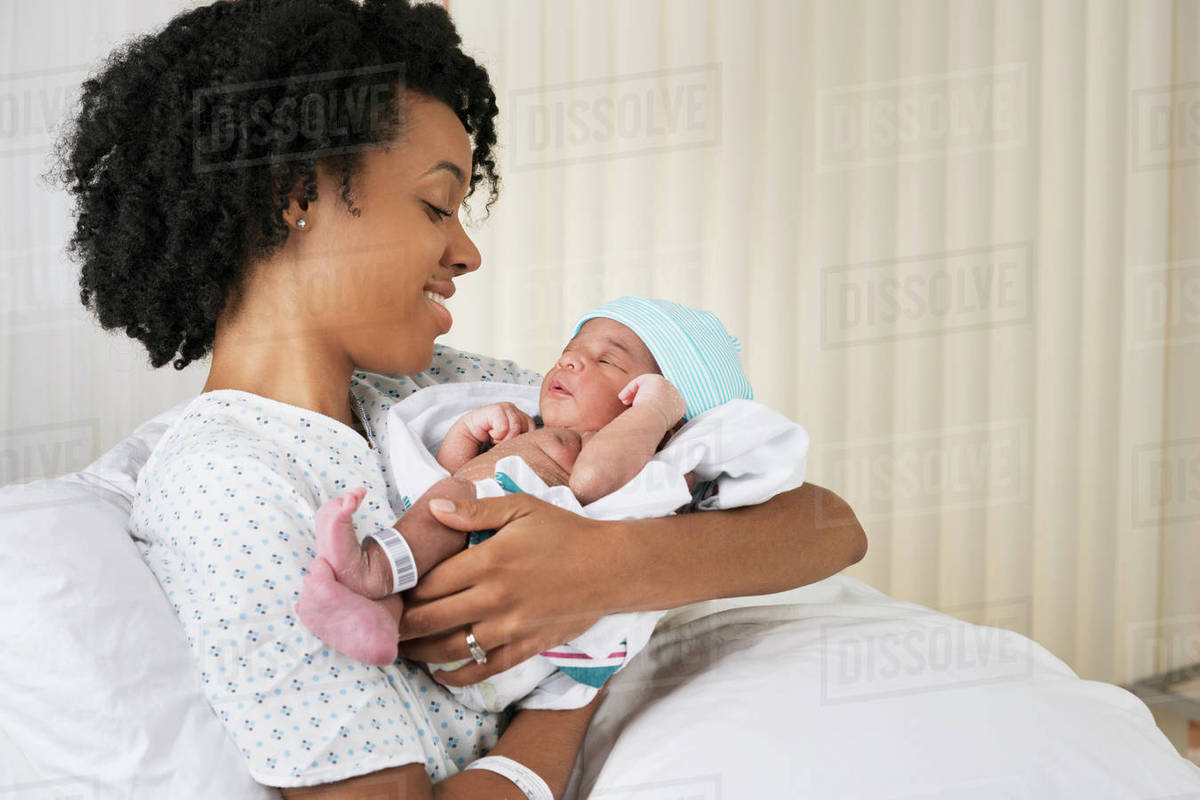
x: 498, y: 423
x: 630, y: 391
x: 513, y: 426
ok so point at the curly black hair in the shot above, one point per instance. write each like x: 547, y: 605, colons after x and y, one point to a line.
x: 188, y: 142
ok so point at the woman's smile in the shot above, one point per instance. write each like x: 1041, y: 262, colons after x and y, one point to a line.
x: 435, y: 297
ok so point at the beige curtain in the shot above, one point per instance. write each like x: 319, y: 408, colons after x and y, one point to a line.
x: 957, y: 239
x: 69, y: 391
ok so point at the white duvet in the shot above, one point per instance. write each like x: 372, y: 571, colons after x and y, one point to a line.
x: 838, y: 692
x: 831, y: 691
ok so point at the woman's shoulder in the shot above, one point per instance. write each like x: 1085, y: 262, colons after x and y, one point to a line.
x: 229, y: 420
x: 228, y: 432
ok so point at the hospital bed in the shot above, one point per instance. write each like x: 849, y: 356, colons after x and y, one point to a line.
x: 832, y: 691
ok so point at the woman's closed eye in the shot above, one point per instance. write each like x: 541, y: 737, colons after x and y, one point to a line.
x: 439, y: 211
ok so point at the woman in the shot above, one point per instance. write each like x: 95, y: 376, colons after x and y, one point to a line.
x: 276, y: 183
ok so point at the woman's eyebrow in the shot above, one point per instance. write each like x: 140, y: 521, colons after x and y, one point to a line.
x: 448, y: 166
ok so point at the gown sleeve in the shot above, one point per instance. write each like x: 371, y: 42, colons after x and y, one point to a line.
x: 228, y: 532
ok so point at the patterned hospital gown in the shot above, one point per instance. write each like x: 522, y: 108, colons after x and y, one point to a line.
x: 224, y: 513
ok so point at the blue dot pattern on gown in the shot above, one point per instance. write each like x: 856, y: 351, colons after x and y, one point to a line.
x: 224, y: 518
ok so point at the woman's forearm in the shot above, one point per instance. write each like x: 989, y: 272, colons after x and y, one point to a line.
x: 544, y: 741
x: 795, y: 538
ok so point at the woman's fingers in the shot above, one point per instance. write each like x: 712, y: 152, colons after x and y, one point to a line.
x: 439, y: 648
x: 488, y: 513
x: 498, y: 659
x: 443, y: 614
x: 451, y: 645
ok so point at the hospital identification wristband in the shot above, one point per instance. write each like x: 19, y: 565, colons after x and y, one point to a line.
x: 404, y: 567
x: 526, y: 779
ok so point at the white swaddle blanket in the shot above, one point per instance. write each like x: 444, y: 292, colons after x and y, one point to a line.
x: 743, y: 451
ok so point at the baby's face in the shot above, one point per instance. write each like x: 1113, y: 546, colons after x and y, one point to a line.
x: 580, y: 390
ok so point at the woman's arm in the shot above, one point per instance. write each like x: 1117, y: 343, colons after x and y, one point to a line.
x: 794, y: 539
x: 544, y: 741
x: 551, y: 574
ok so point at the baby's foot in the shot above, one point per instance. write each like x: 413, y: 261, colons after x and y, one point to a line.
x: 366, y: 630
x: 364, y: 570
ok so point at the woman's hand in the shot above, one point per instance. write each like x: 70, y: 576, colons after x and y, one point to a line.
x: 548, y: 575
x: 527, y: 589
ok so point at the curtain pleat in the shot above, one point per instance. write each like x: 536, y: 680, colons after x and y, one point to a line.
x: 991, y: 454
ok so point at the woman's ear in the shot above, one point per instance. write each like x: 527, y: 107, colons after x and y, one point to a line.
x: 295, y: 215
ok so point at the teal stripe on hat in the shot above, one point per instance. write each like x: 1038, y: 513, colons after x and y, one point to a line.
x: 692, y: 348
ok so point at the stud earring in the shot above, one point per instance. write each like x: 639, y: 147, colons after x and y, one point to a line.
x: 301, y: 223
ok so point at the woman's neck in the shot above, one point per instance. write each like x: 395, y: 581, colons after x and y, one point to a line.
x: 291, y: 366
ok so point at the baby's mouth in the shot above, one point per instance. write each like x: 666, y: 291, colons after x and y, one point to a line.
x: 556, y: 388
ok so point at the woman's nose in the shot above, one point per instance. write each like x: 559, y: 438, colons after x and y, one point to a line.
x: 461, y: 256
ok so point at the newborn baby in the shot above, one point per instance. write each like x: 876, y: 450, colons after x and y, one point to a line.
x: 646, y: 412
x: 606, y: 410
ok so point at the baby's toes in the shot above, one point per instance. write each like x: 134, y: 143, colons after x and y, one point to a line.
x: 339, y: 511
x: 336, y: 541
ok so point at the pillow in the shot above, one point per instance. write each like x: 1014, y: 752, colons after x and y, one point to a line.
x: 101, y: 697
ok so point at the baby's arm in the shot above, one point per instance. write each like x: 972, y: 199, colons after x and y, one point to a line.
x: 613, y: 455
x: 495, y: 422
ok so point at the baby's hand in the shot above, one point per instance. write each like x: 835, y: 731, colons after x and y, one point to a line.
x: 658, y: 393
x: 496, y: 422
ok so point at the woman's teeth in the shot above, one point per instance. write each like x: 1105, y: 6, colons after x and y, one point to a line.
x: 435, y: 297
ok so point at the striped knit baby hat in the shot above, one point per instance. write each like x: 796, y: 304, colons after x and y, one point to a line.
x: 692, y: 348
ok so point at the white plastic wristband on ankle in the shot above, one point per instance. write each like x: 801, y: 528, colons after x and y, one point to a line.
x: 404, y: 567
x: 526, y: 779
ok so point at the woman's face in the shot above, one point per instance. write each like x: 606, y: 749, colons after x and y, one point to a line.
x: 372, y: 286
